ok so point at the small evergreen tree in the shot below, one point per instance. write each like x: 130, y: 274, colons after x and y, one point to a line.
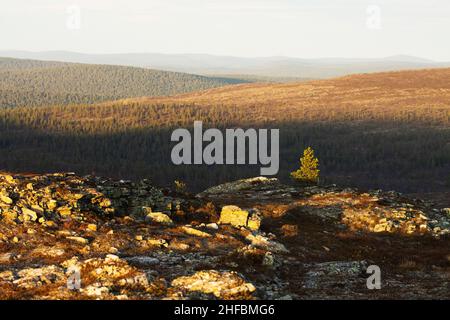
x: 180, y: 186
x: 308, y: 172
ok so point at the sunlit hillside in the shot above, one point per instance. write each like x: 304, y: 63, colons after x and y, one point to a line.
x: 422, y: 96
x: 389, y: 130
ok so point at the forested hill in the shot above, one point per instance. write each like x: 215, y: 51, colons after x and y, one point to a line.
x: 9, y: 64
x: 387, y: 130
x: 38, y: 83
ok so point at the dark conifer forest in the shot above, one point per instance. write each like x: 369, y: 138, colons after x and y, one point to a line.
x: 370, y: 131
x: 41, y: 83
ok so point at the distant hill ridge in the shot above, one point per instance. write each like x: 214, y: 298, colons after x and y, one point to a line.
x: 207, y: 64
x: 38, y: 83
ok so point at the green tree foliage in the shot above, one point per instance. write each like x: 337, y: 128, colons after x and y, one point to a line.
x: 40, y: 83
x: 180, y: 186
x: 309, y: 168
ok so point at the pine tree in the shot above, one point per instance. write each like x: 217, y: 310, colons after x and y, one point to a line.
x: 309, y: 164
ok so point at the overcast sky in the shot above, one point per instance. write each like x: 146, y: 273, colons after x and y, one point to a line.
x: 298, y: 28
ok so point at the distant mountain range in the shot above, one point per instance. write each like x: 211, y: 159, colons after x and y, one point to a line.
x: 254, y: 68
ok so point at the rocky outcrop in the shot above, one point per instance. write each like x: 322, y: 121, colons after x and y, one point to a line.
x: 52, y: 198
x: 377, y: 212
x: 257, y: 183
x: 64, y: 236
x: 258, y: 188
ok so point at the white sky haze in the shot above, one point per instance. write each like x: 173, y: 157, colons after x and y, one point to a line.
x: 297, y: 28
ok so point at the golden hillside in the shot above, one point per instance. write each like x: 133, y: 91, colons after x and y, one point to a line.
x: 384, y: 130
x: 416, y: 95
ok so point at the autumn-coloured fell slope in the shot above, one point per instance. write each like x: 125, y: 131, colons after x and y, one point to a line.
x: 416, y: 95
x: 384, y: 130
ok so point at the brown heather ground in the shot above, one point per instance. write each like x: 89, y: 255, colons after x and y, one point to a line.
x: 422, y: 95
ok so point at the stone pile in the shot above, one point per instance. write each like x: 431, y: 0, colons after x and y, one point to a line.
x: 54, y: 197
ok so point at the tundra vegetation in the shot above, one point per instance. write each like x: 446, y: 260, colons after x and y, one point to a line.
x: 64, y: 236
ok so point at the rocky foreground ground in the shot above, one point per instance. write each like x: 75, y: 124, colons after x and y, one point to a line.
x: 64, y: 236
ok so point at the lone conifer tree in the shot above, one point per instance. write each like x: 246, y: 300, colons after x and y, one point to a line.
x: 308, y: 172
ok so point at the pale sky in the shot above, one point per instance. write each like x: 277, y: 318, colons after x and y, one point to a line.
x: 250, y: 28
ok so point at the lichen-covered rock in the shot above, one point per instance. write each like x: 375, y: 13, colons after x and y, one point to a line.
x: 237, y: 217
x: 404, y: 220
x: 254, y: 220
x: 157, y: 217
x: 100, y: 276
x: 28, y: 214
x: 31, y: 278
x: 265, y: 243
x: 8, y: 178
x: 195, y: 232
x: 240, y: 185
x: 6, y: 199
x: 257, y: 188
x: 45, y: 251
x: 233, y: 215
x: 223, y: 285
x: 79, y: 240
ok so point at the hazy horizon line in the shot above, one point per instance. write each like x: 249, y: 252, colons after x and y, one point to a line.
x: 228, y: 55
